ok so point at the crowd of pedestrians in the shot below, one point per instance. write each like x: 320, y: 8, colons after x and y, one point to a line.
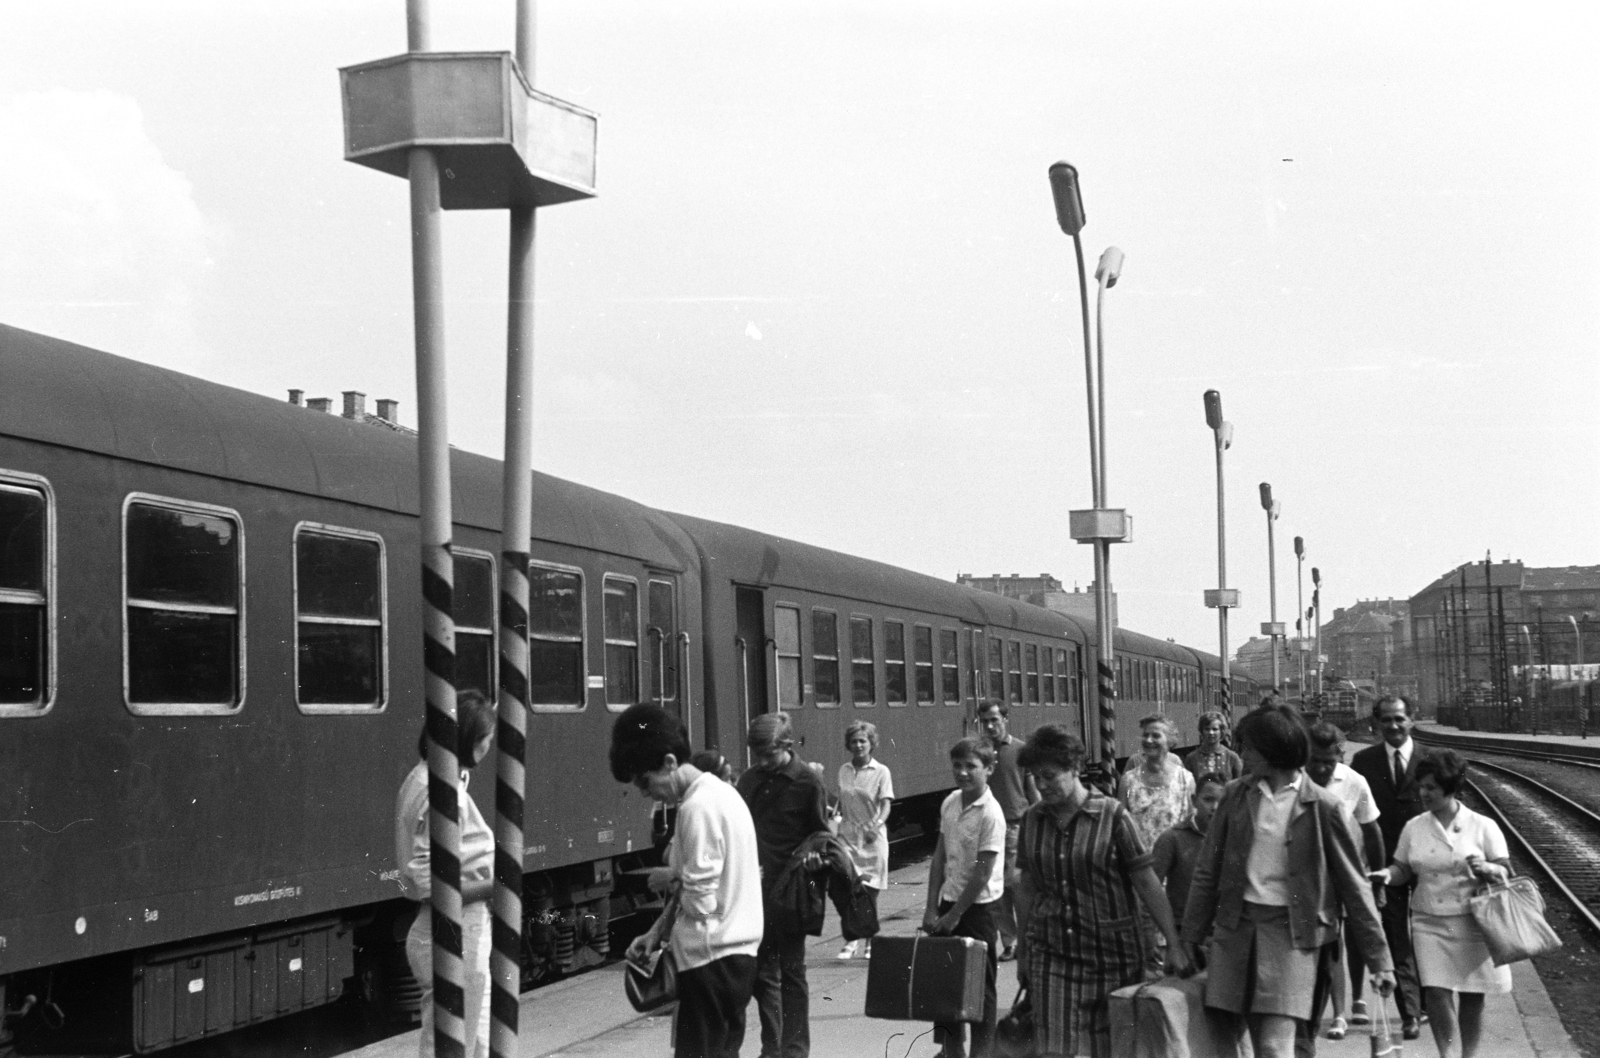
x: 1287, y: 875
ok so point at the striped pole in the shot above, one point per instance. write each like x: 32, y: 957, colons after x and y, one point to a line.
x: 1108, y: 676
x: 516, y: 530
x: 438, y: 626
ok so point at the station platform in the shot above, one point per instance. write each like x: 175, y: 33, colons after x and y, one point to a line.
x: 1444, y: 734
x: 588, y: 1015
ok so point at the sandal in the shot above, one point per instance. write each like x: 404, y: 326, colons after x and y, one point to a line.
x: 1337, y: 1030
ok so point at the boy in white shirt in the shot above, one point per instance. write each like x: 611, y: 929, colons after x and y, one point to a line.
x: 965, y: 879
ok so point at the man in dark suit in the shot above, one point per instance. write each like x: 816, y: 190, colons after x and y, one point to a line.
x: 1390, y: 769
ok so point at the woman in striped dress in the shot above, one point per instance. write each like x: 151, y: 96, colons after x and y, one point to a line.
x: 1083, y: 867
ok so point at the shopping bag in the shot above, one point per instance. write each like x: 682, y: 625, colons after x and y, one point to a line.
x: 1013, y: 1034
x: 1511, y: 916
x: 653, y: 982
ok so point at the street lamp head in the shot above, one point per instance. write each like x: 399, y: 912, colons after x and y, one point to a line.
x: 1266, y: 497
x: 1299, y: 547
x: 1110, y: 267
x: 1213, y: 401
x: 1316, y: 576
x: 1069, y: 203
x: 1225, y: 435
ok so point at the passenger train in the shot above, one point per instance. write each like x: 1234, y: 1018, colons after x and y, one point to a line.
x: 210, y: 674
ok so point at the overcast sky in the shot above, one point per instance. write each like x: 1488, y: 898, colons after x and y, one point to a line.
x: 822, y: 293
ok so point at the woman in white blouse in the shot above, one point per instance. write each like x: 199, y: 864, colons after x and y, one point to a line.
x: 866, y: 793
x: 1450, y: 850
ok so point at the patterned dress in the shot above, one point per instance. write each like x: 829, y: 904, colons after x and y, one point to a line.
x: 1157, y: 806
x: 1084, y: 940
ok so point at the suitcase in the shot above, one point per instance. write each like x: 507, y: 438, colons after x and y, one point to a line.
x: 1168, y: 1019
x: 926, y: 978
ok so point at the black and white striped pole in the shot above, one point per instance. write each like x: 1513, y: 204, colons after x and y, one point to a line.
x: 1100, y: 526
x: 1221, y: 597
x: 474, y: 118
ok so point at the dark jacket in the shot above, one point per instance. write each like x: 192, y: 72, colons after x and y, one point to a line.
x: 797, y: 901
x: 1396, y: 807
x: 1325, y: 873
x: 787, y: 805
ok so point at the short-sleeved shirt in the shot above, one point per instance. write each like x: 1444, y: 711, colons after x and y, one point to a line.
x: 1354, y: 793
x: 861, y: 790
x: 1222, y: 760
x: 968, y: 830
x: 1007, y: 783
x: 1438, y: 856
x: 1173, y: 859
x: 1266, y: 872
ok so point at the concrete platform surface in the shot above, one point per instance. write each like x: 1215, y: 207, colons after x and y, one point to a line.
x: 588, y: 1015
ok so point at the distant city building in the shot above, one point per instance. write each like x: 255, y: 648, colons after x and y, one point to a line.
x: 1369, y: 644
x: 1481, y: 629
x: 1253, y: 660
x: 355, y: 409
x: 1043, y: 590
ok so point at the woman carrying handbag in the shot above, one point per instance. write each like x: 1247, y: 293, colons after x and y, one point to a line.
x: 715, y: 876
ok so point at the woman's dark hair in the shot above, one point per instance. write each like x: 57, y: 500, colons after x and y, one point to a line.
x: 475, y: 718
x: 709, y: 761
x: 1051, y: 744
x: 1446, y: 767
x: 1278, y: 733
x: 641, y: 739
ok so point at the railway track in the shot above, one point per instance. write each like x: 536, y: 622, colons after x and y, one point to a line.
x: 1560, y: 835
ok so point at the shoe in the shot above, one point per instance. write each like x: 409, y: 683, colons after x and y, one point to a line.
x: 1358, y: 1013
x: 866, y: 949
x: 847, y: 952
x: 1337, y: 1030
x: 1008, y: 953
x: 1411, y: 1029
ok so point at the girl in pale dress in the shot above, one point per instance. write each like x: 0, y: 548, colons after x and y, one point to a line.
x: 866, y: 793
x: 1450, y: 850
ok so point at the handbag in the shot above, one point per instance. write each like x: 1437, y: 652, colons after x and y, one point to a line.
x: 1013, y: 1034
x: 1511, y: 916
x: 653, y: 984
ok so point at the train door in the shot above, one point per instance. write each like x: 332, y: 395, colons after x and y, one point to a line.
x: 664, y: 667
x: 750, y: 643
x: 974, y: 700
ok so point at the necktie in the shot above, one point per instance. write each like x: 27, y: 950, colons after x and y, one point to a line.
x: 1399, y: 771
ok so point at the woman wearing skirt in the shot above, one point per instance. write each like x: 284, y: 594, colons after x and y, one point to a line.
x: 1449, y: 849
x: 1281, y: 857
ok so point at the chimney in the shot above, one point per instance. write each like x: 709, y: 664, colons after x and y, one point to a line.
x: 320, y: 404
x: 388, y: 410
x: 297, y: 397
x: 355, y: 404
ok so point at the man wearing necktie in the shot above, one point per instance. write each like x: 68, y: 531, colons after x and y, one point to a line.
x: 1388, y: 768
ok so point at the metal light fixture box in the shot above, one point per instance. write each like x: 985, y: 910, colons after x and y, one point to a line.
x: 1222, y: 597
x: 1104, y: 523
x: 1272, y: 628
x: 499, y: 142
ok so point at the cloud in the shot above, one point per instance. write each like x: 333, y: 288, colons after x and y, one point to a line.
x: 101, y: 241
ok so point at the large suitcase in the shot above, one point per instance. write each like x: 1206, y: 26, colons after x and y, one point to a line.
x: 1168, y: 1019
x: 926, y: 978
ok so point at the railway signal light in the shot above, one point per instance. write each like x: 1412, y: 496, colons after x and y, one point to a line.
x: 1299, y: 547
x: 1213, y: 401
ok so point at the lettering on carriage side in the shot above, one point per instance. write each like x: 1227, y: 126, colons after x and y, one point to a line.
x: 2, y: 943
x: 606, y: 837
x: 391, y: 875
x: 152, y: 914
x: 537, y: 850
x: 288, y: 892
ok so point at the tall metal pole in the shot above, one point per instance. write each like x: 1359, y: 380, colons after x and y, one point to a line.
x: 1102, y: 545
x: 1299, y: 610
x: 438, y: 577
x: 1316, y: 604
x: 516, y: 531
x: 1272, y: 629
x: 1222, y: 599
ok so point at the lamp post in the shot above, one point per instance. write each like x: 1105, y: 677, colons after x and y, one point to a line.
x: 1272, y: 629
x: 1316, y: 607
x: 1222, y: 597
x: 1300, y: 604
x: 1583, y: 705
x: 1099, y: 526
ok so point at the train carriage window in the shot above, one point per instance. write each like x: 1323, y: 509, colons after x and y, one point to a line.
x: 825, y: 656
x: 862, y: 662
x: 1014, y: 671
x: 894, y: 662
x: 786, y: 632
x: 950, y: 666
x: 339, y: 611
x: 1047, y: 666
x: 622, y: 641
x: 997, y: 673
x: 1031, y: 685
x: 1066, y: 677
x: 26, y: 539
x: 922, y: 655
x: 661, y: 659
x: 555, y: 639
x: 473, y: 598
x: 183, y: 583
